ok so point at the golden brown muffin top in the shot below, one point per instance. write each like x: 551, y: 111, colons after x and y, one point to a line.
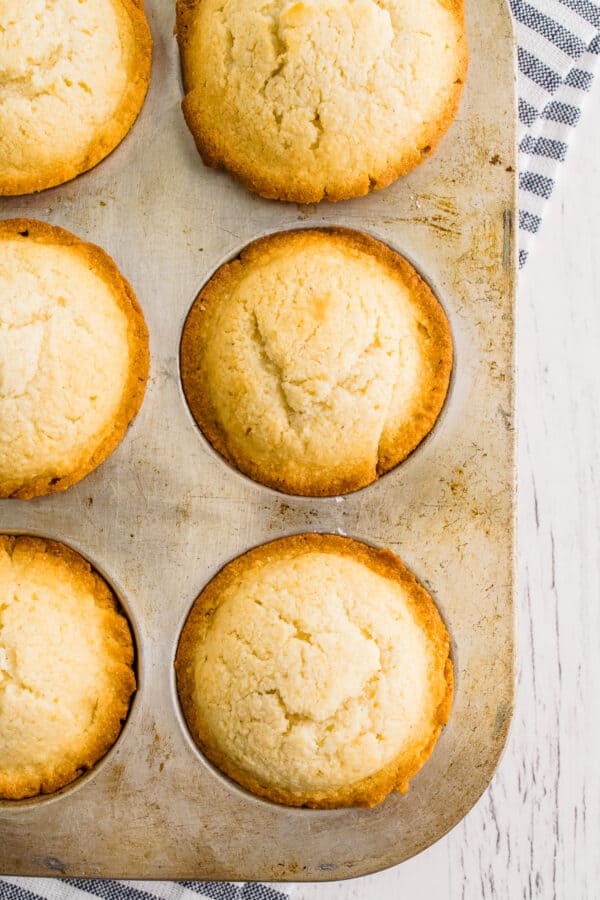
x: 315, y: 671
x: 73, y: 77
x: 320, y: 98
x: 316, y: 361
x: 73, y: 358
x: 66, y: 676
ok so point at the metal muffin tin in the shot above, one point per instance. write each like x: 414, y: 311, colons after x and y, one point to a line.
x: 164, y: 512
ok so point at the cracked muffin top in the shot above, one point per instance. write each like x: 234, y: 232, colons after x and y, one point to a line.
x: 66, y: 667
x: 315, y: 671
x: 320, y: 98
x: 316, y: 361
x: 73, y: 77
x: 73, y: 358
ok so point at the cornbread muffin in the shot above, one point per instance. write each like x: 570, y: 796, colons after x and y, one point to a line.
x: 316, y: 361
x: 73, y: 358
x: 315, y: 671
x: 66, y: 667
x: 73, y: 77
x: 320, y: 98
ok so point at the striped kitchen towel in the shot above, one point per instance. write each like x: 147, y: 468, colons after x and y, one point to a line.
x: 559, y: 43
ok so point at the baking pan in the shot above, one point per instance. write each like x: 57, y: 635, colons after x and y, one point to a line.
x: 164, y: 513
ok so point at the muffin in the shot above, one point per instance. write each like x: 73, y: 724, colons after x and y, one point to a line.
x: 73, y: 358
x: 315, y: 671
x: 73, y: 77
x: 66, y: 667
x: 320, y: 98
x: 316, y: 361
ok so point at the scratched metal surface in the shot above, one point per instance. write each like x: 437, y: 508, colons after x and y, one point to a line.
x: 164, y: 513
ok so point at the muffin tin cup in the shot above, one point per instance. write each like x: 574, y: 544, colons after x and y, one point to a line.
x: 119, y: 746
x: 230, y: 783
x: 283, y: 495
x: 164, y: 513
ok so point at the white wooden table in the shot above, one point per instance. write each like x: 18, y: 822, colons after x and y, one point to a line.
x: 536, y: 831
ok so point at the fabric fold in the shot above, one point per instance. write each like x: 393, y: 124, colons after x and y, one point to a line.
x: 559, y: 45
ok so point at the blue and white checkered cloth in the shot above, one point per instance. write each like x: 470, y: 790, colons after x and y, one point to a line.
x: 559, y: 43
